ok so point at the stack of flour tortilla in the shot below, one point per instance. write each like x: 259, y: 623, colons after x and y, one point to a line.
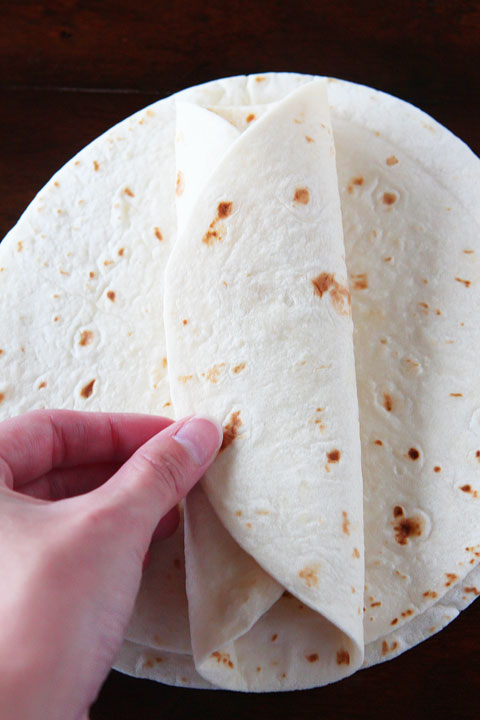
x: 299, y: 258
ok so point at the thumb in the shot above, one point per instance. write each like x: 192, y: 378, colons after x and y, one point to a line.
x: 159, y: 474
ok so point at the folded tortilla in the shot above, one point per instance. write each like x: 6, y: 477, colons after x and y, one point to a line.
x: 81, y: 278
x: 269, y: 350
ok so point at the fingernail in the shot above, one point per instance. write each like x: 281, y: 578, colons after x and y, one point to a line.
x: 201, y: 437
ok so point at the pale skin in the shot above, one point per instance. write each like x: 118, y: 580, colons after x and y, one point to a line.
x: 81, y: 496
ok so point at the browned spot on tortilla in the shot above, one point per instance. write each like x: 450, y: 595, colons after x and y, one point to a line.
x: 387, y: 402
x: 249, y: 525
x: 384, y: 647
x: 408, y: 528
x: 469, y: 489
x: 343, y: 658
x: 185, y: 322
x: 111, y: 295
x: 468, y: 252
x: 437, y: 468
x: 398, y: 511
x: 394, y: 621
x: 472, y: 589
x: 86, y: 338
x: 309, y: 575
x: 2, y: 397
x: 325, y: 282
x: 456, y: 394
x: 345, y: 523
x: 224, y: 209
x: 87, y: 390
x: 378, y: 442
x: 1, y: 351
x: 121, y: 251
x: 230, y: 430
x: 211, y: 235
x: 467, y: 283
x: 96, y: 166
x: 389, y: 198
x: 177, y: 563
x: 360, y: 281
x: 312, y: 658
x: 309, y: 139
x: 223, y: 658
x: 392, y: 160
x: 376, y: 604
x: 274, y: 637
x: 63, y: 272
x: 424, y: 305
x: 451, y: 577
x: 158, y: 234
x: 184, y: 378
x: 333, y: 456
x: 356, y: 553
x: 357, y: 180
x: 383, y: 341
x: 430, y: 594
x: 19, y: 246
x: 91, y: 274
x: 108, y: 262
x: 238, y: 513
x: 148, y: 663
x: 164, y: 362
x: 128, y: 192
x: 216, y: 230
x: 413, y: 454
x: 407, y: 613
x: 287, y: 594
x: 262, y: 512
x: 477, y: 455
x: 167, y: 404
x: 179, y: 184
x: 388, y: 259
x: 250, y: 117
x: 260, y: 78
x: 239, y: 368
x: 350, y: 189
x: 302, y: 196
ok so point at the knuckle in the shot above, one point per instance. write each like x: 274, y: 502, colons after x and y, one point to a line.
x: 167, y: 473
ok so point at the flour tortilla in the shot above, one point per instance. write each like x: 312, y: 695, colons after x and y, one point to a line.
x: 272, y: 348
x: 434, y: 171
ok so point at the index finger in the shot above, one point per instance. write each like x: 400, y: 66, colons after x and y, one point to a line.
x: 36, y: 442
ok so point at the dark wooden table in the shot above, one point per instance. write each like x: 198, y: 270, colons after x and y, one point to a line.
x: 70, y: 69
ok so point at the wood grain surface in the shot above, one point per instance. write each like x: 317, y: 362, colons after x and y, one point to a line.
x: 70, y: 69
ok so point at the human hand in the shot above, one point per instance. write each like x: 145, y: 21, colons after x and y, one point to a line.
x: 81, y: 495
